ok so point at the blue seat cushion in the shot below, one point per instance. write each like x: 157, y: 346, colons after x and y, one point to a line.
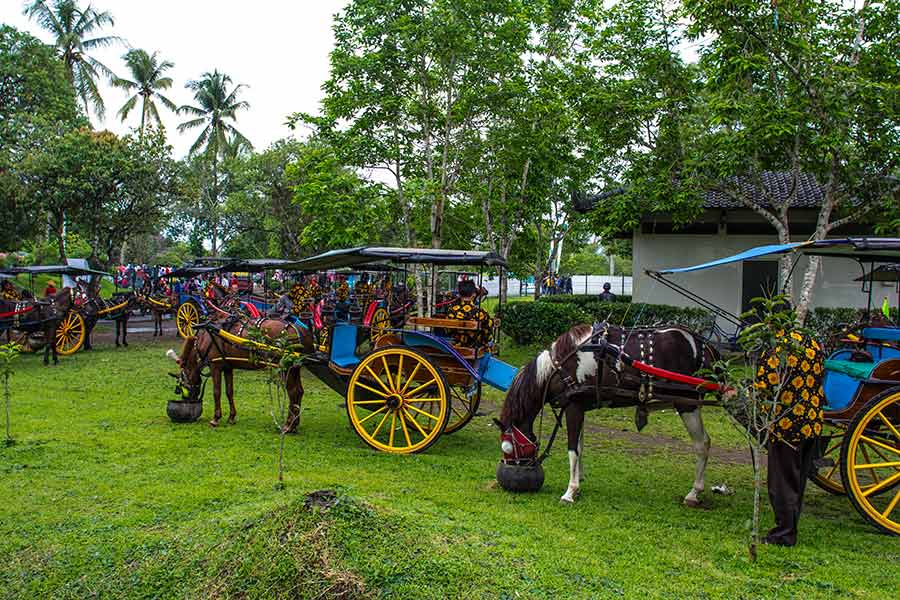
x: 343, y: 346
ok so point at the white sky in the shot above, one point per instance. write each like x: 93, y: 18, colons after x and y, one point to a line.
x: 279, y: 48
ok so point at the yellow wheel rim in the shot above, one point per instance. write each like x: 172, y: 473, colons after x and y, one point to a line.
x: 186, y: 319
x: 70, y: 334
x: 381, y: 321
x: 463, y: 404
x: 397, y: 401
x: 871, y: 462
x: 829, y: 477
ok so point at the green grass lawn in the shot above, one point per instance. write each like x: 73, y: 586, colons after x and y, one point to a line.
x: 102, y: 496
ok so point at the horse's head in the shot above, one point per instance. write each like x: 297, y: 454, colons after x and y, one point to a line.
x: 521, y: 407
x: 188, y: 380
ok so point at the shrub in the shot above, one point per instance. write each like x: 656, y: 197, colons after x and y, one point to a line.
x: 541, y: 322
x: 579, y: 300
x: 824, y: 322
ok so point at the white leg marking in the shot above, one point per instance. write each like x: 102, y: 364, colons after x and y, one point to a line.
x: 693, y: 421
x: 572, y: 490
x: 587, y: 366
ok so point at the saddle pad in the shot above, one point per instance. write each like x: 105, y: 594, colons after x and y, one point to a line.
x: 856, y: 370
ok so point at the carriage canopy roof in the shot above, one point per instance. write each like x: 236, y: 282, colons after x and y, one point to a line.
x: 888, y: 272
x: 53, y: 270
x: 875, y: 250
x: 350, y: 257
x: 191, y: 271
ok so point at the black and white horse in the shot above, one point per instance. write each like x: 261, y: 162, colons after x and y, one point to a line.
x: 577, y: 379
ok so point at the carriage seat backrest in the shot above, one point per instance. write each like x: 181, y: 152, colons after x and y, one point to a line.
x: 343, y: 346
x: 887, y: 334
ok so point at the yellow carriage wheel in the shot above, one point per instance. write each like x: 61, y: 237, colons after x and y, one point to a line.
x: 828, y: 477
x: 870, y: 461
x: 464, y: 403
x: 381, y: 322
x: 70, y: 334
x: 186, y: 319
x: 397, y: 400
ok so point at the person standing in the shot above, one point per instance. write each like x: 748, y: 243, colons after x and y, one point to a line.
x: 795, y: 369
x: 50, y: 289
x: 606, y: 295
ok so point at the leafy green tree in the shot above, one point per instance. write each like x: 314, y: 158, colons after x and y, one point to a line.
x: 36, y: 103
x: 112, y: 188
x: 805, y: 89
x: 148, y: 81
x: 341, y: 207
x: 215, y: 112
x: 73, y: 28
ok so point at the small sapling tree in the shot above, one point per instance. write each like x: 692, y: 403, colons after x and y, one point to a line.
x: 8, y: 353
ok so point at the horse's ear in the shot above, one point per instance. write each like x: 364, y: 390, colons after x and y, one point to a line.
x: 498, y: 424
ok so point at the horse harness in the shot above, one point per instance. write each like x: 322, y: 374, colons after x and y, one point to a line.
x: 610, y: 378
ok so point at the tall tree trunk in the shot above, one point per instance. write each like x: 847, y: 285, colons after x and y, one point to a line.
x: 143, y: 116
x: 214, y: 204
x: 59, y: 229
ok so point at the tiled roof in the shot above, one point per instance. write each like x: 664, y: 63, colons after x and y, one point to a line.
x: 778, y: 184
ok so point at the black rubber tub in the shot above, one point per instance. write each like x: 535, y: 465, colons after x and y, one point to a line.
x: 182, y: 411
x: 520, y: 478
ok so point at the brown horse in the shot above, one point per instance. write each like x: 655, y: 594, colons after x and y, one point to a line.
x: 42, y: 315
x: 576, y: 378
x: 208, y: 349
x: 159, y: 306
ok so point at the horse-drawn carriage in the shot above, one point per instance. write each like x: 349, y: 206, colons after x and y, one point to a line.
x: 862, y: 391
x: 406, y: 386
x: 71, y: 330
x: 861, y: 387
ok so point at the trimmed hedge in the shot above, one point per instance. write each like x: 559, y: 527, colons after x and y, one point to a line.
x: 542, y: 322
x: 580, y: 300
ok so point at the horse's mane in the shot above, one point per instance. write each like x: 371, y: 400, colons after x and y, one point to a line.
x: 188, y: 352
x: 525, y: 395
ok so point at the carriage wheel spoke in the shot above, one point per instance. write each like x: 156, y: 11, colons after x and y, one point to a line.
x: 415, y: 423
x: 889, y: 425
x: 422, y: 412
x: 865, y: 454
x: 361, y: 421
x: 393, y: 428
x: 892, y: 505
x: 378, y: 379
x: 421, y: 400
x: 399, y: 373
x: 880, y: 455
x: 422, y: 387
x: 410, y: 378
x: 373, y: 390
x: 387, y: 374
x: 880, y: 444
x: 380, y: 423
x: 877, y: 465
x: 405, y: 430
x: 884, y: 483
x: 368, y: 402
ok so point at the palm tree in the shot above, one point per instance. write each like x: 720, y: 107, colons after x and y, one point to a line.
x: 215, y: 111
x: 148, y: 81
x: 72, y: 27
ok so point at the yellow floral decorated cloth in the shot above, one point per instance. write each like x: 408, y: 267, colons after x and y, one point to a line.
x: 800, y: 397
x: 468, y: 311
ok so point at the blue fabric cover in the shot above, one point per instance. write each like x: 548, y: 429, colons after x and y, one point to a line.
x: 496, y: 373
x: 745, y: 255
x: 889, y: 334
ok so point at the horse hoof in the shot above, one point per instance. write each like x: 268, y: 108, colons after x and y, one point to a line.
x: 690, y: 503
x: 232, y: 421
x: 214, y: 423
x: 566, y: 500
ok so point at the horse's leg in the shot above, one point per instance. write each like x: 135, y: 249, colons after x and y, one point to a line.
x: 693, y: 421
x: 294, y: 386
x: 50, y: 337
x: 581, y: 455
x: 229, y: 391
x: 124, y: 321
x: 118, y: 329
x: 574, y: 424
x: 215, y: 374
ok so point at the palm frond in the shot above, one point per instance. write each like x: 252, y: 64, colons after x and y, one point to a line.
x: 124, y: 84
x: 127, y: 107
x: 201, y: 140
x: 154, y: 113
x: 102, y: 42
x: 162, y: 83
x: 192, y: 124
x: 166, y: 102
x: 186, y: 109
